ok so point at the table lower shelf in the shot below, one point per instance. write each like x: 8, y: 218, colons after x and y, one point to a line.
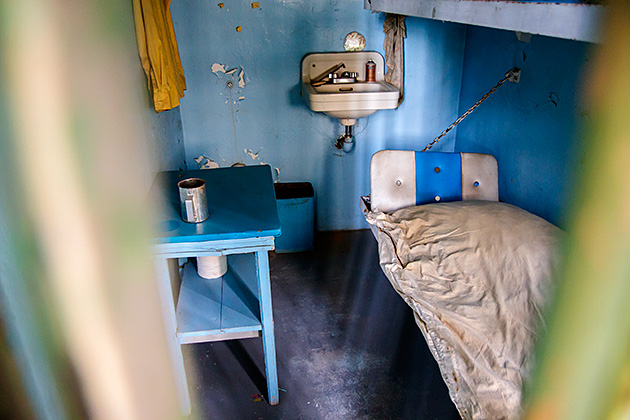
x: 219, y: 309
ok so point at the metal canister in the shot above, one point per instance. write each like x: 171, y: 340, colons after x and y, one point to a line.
x: 370, y: 71
x: 192, y: 196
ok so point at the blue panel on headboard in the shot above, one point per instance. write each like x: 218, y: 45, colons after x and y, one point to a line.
x: 438, y: 177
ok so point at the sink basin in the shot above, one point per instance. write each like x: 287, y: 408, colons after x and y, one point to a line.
x: 347, y: 101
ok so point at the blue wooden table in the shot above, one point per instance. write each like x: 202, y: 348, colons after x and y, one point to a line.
x: 242, y: 225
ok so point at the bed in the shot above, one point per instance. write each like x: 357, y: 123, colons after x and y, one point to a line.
x: 476, y: 272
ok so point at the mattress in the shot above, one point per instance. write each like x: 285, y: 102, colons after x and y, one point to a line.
x: 478, y: 275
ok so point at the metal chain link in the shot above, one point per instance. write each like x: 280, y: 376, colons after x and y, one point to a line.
x: 507, y: 77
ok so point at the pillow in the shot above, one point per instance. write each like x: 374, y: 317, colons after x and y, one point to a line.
x: 477, y: 275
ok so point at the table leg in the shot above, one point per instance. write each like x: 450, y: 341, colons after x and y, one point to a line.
x: 266, y: 315
x: 170, y: 319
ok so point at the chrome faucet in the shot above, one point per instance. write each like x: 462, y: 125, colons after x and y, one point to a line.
x: 346, y: 77
x: 327, y: 76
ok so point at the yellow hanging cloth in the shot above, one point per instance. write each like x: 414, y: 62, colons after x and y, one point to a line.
x: 158, y: 51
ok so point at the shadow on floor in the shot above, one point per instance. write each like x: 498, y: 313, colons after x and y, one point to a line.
x: 347, y: 346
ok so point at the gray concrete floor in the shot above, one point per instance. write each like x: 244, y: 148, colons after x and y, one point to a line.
x: 347, y: 346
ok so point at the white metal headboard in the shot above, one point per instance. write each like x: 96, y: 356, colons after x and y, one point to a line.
x: 401, y: 178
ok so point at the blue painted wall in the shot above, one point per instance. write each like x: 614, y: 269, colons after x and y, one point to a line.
x: 268, y: 121
x: 530, y: 127
x: 164, y: 148
x: 165, y: 143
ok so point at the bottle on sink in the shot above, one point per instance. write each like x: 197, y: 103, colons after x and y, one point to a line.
x: 370, y: 71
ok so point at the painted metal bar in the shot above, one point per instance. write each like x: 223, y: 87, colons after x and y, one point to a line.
x: 218, y: 336
x: 241, y: 279
x: 213, y: 248
x: 580, y: 22
x: 170, y: 320
x: 266, y: 315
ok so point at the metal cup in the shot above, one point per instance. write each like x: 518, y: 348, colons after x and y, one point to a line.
x: 192, y: 196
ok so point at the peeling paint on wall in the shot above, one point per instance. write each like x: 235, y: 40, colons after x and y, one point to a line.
x: 256, y: 157
x: 222, y: 70
x: 241, y: 78
x: 204, y: 162
x: 218, y: 68
x: 251, y: 154
x: 208, y: 164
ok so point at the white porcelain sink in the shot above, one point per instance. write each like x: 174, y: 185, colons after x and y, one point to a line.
x: 347, y: 101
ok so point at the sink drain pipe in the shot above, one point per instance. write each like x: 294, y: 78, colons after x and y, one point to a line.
x: 345, y: 142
